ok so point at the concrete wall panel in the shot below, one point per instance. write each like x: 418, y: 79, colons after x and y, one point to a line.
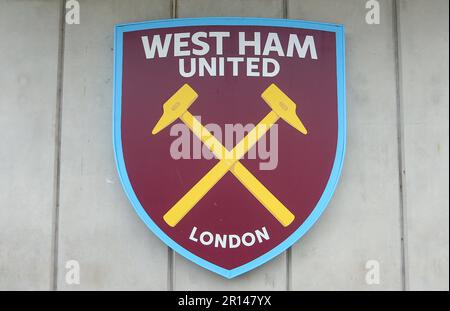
x: 362, y: 221
x: 98, y: 226
x: 188, y: 276
x: 423, y: 27
x: 28, y: 84
x: 255, y: 8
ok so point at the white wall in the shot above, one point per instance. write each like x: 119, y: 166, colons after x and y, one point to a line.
x: 60, y: 197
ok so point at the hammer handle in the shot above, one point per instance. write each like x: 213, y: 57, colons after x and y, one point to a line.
x: 196, y: 193
x: 228, y: 162
x: 253, y: 185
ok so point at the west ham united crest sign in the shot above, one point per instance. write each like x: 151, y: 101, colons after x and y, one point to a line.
x: 229, y: 133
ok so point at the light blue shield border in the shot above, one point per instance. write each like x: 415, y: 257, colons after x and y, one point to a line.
x: 230, y: 21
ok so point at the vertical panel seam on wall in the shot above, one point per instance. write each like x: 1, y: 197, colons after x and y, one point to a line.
x: 174, y: 7
x: 285, y: 13
x: 170, y: 252
x: 400, y: 144
x: 57, y: 151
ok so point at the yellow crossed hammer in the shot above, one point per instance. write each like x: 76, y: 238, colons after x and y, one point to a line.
x: 176, y: 107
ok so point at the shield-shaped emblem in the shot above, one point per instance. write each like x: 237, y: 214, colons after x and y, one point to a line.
x: 229, y: 133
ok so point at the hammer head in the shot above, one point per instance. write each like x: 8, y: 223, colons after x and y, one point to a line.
x: 175, y: 106
x: 283, y: 106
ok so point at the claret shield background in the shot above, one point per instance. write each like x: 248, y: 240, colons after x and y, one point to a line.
x: 308, y: 166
